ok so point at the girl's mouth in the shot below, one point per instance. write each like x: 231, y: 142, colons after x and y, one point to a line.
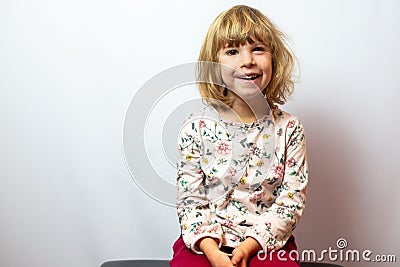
x: 250, y: 77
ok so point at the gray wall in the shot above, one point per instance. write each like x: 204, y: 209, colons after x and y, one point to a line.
x: 69, y: 69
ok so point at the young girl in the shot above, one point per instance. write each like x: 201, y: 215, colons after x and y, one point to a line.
x: 242, y: 171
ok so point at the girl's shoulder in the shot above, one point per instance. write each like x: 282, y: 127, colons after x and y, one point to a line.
x: 201, y: 118
x: 284, y: 119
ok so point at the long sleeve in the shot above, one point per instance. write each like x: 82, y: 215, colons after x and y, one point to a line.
x: 195, y: 217
x: 274, y: 226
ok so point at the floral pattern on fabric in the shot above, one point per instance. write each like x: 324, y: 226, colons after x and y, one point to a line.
x: 238, y: 180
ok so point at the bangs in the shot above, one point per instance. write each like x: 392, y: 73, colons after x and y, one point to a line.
x: 240, y: 26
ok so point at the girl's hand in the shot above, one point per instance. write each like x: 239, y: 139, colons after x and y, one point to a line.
x: 216, y: 257
x: 219, y: 259
x: 239, y: 257
x: 244, y: 251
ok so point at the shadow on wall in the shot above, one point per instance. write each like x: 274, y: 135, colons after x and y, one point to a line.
x: 332, y: 190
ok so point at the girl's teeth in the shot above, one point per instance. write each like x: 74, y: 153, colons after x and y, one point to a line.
x: 250, y: 77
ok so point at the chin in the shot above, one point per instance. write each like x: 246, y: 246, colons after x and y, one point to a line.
x: 248, y: 92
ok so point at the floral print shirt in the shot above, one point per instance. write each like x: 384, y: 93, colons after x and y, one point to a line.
x: 240, y: 180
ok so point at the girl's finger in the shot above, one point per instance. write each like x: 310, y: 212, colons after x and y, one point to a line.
x: 236, y: 257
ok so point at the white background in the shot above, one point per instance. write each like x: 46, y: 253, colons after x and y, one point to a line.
x: 69, y: 69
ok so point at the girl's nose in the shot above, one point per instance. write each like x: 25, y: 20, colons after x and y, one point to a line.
x: 247, y: 59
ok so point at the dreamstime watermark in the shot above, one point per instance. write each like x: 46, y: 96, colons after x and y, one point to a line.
x: 339, y: 254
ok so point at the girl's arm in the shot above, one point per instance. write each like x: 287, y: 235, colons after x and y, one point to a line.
x: 194, y: 213
x: 274, y: 227
x: 216, y: 257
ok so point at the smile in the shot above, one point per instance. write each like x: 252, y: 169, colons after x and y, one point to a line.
x: 250, y: 78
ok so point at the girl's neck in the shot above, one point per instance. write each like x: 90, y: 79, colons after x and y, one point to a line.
x: 246, y: 112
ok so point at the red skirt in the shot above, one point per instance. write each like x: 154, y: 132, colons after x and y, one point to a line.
x: 284, y: 257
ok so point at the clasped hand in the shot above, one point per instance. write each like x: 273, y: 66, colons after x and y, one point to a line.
x: 221, y: 259
x: 240, y: 254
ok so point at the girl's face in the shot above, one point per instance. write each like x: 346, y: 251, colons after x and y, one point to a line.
x: 248, y: 68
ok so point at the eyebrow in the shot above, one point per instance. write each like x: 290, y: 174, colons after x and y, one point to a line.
x: 259, y: 43
x: 227, y: 46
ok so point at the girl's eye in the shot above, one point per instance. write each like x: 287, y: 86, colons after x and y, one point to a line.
x: 232, y: 52
x: 259, y: 48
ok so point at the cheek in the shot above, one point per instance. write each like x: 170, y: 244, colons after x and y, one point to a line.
x: 267, y: 69
x: 227, y: 74
x: 270, y: 65
x: 266, y: 63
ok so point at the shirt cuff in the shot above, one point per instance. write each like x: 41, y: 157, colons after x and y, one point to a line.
x: 262, y: 240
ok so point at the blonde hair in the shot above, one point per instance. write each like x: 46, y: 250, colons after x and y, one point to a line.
x: 234, y: 27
